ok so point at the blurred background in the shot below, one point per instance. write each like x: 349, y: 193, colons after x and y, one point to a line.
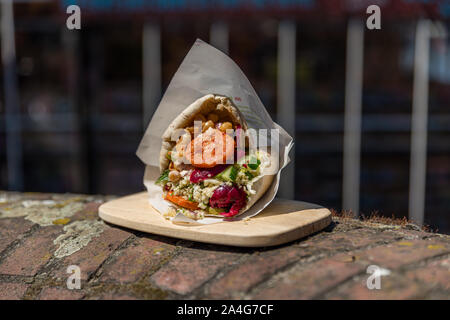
x: 369, y: 109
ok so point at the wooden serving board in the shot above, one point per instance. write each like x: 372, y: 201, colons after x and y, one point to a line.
x: 282, y: 221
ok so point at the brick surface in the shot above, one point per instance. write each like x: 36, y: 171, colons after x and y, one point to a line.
x: 330, y: 272
x: 12, y: 291
x: 412, y: 234
x: 135, y: 261
x: 349, y: 240
x: 60, y: 294
x: 307, y: 281
x: 123, y: 264
x: 404, y: 252
x: 436, y: 274
x: 190, y: 269
x: 114, y: 296
x: 393, y: 287
x: 12, y: 229
x: 90, y: 257
x: 252, y: 271
x: 90, y: 211
x: 32, y: 254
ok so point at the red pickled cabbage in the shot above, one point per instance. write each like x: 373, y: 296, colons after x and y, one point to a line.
x: 227, y: 196
x: 200, y: 174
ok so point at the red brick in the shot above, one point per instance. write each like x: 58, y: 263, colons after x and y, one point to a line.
x: 412, y: 234
x: 305, y: 282
x: 12, y: 229
x: 320, y: 276
x: 60, y: 294
x: 251, y: 272
x: 435, y: 274
x: 191, y: 269
x: 12, y: 291
x: 404, y: 252
x: 135, y: 261
x: 31, y: 255
x: 393, y: 287
x: 349, y: 240
x: 114, y: 296
x: 90, y: 257
x: 90, y: 212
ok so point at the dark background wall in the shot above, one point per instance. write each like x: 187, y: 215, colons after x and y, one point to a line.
x: 81, y: 103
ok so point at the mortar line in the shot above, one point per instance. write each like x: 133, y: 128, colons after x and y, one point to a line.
x: 399, y: 270
x: 201, y: 290
x: 301, y: 260
x: 17, y: 242
x: 329, y: 254
x: 178, y: 250
x: 170, y: 257
x: 123, y: 245
x: 50, y: 265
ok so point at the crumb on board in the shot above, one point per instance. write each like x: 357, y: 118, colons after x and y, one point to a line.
x: 246, y: 219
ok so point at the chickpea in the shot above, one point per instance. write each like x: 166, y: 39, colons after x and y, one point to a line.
x: 213, y: 117
x: 171, y: 212
x: 200, y: 117
x: 174, y: 175
x: 208, y: 124
x: 226, y: 126
x: 190, y: 130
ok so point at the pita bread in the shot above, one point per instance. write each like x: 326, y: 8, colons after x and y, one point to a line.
x: 226, y: 111
x: 221, y: 105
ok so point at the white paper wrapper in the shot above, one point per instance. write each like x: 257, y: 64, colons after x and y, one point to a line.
x: 206, y: 70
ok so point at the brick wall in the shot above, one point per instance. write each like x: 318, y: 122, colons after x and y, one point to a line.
x: 42, y: 234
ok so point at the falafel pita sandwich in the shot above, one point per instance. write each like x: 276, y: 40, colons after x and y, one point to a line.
x: 211, y: 150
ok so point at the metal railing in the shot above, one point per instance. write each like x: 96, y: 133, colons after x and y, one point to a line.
x: 287, y: 34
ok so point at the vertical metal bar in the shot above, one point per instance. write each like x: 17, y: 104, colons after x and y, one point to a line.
x: 417, y: 175
x: 286, y: 98
x: 218, y: 36
x: 151, y: 47
x: 96, y: 55
x: 70, y: 40
x: 12, y: 107
x: 352, y: 117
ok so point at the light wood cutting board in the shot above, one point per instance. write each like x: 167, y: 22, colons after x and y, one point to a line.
x: 282, y: 221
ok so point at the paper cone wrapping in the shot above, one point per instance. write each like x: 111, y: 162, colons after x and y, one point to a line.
x: 206, y: 70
